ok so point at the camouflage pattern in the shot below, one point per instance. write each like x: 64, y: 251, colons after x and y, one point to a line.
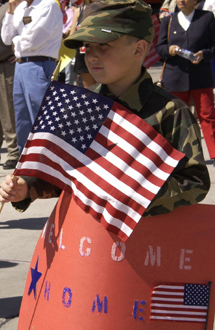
x: 108, y: 20
x: 190, y: 182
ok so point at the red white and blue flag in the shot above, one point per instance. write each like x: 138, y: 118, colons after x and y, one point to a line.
x: 110, y: 160
x: 180, y: 302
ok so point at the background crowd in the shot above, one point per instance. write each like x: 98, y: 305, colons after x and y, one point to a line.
x: 31, y: 36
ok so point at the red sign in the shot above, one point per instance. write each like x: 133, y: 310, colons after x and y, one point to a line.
x: 83, y: 277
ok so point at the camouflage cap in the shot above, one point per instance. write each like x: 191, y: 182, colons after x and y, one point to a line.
x: 108, y: 20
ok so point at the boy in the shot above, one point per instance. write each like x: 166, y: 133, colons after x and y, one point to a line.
x: 117, y: 37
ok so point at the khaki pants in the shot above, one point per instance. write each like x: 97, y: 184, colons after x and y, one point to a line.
x: 7, y: 119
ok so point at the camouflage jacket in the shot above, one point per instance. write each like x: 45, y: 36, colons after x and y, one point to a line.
x: 189, y: 182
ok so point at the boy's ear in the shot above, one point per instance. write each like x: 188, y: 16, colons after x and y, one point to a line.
x: 141, y: 48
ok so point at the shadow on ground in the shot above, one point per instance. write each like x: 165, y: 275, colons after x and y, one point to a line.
x: 30, y: 223
x: 9, y: 307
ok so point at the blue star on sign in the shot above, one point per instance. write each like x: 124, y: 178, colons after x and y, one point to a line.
x: 35, y: 277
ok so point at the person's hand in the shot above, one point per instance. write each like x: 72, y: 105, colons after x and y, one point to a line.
x: 12, y: 5
x: 13, y: 189
x: 173, y: 50
x: 199, y: 56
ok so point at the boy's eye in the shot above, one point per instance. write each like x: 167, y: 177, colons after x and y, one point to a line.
x: 86, y: 45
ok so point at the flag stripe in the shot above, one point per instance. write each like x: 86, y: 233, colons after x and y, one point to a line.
x: 172, y: 318
x: 110, y: 160
x: 35, y: 154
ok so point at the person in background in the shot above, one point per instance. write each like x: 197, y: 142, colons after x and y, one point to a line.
x: 168, y: 7
x: 194, y: 30
x: 80, y: 67
x: 7, y: 119
x: 34, y: 28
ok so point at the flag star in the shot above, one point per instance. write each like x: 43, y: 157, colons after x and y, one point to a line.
x: 44, y: 107
x: 94, y: 101
x: 50, y: 102
x: 74, y: 140
x: 83, y: 146
x: 54, y: 93
x: 75, y: 98
x: 73, y: 92
x: 86, y: 103
x: 89, y: 136
x: 100, y: 116
x: 50, y: 122
x: 68, y: 123
x: 73, y: 114
x: 70, y: 107
x: 60, y: 125
x: 59, y: 104
x: 82, y: 138
x: 76, y: 121
x: 106, y: 106
x: 62, y: 90
x: 79, y: 129
x: 84, y: 120
x: 89, y: 110
x: 95, y: 126
x: 47, y: 98
x: 98, y: 108
x: 64, y: 95
x: 52, y: 108
x: 57, y: 119
x: 92, y: 118
x: 62, y: 110
x: 78, y: 105
x: 45, y: 112
x: 87, y: 128
x: 57, y: 98
x: 67, y: 101
x: 63, y: 133
x: 43, y: 126
x: 52, y: 128
x: 65, y: 116
x: 35, y: 128
x: 52, y: 87
x: 47, y: 117
x: 71, y: 131
x: 83, y: 96
x: 81, y: 112
x: 41, y: 122
x: 54, y: 113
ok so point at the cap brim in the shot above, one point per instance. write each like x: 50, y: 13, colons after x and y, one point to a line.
x: 96, y: 35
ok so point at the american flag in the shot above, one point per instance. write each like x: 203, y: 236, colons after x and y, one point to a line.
x: 180, y: 302
x: 110, y: 160
x: 153, y: 57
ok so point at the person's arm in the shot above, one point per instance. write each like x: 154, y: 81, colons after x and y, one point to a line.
x: 22, y: 191
x: 189, y: 183
x: 162, y: 47
x: 38, y: 32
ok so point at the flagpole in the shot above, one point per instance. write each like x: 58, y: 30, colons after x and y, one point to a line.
x: 207, y: 316
x: 2, y: 204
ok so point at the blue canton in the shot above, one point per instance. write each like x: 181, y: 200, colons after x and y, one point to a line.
x: 73, y: 114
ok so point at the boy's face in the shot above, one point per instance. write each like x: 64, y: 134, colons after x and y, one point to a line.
x: 113, y: 64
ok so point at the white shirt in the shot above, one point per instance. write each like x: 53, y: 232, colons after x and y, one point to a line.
x: 184, y: 20
x: 42, y: 36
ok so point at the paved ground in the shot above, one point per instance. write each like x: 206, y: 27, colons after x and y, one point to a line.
x: 19, y: 234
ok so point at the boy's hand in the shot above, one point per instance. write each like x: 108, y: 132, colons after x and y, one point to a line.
x: 13, y: 189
